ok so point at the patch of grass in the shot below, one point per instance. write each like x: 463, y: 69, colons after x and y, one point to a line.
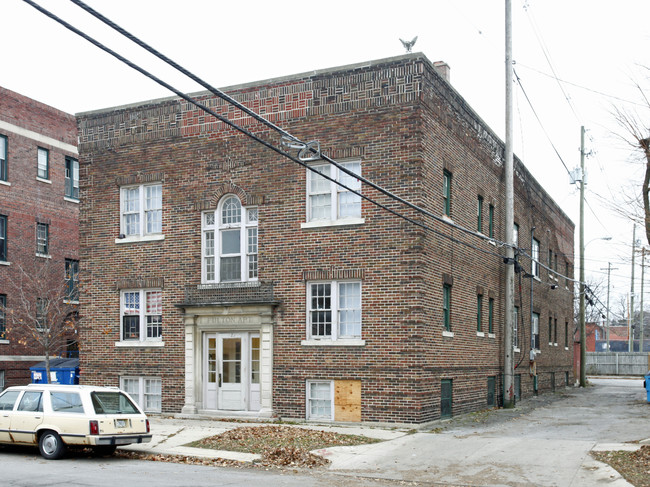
x: 633, y: 466
x: 281, y: 445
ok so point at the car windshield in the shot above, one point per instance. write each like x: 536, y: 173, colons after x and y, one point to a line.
x: 112, y: 403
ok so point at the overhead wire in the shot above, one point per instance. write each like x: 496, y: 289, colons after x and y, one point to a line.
x: 280, y: 151
x: 261, y: 119
x: 547, y: 56
x: 284, y: 133
x: 596, y: 92
x: 539, y: 120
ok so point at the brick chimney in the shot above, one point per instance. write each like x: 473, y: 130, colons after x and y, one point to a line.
x: 443, y: 69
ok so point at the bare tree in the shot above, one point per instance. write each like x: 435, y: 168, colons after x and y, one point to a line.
x: 42, y: 313
x: 636, y: 127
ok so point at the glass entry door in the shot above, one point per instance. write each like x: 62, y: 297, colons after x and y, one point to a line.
x: 230, y: 390
x: 231, y: 371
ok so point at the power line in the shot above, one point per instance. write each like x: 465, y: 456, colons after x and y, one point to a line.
x: 548, y: 59
x: 296, y: 160
x: 601, y: 93
x: 540, y: 122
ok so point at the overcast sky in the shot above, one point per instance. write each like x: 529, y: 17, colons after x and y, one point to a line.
x: 575, y: 59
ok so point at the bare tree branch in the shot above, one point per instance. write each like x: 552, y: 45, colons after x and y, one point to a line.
x: 41, y: 313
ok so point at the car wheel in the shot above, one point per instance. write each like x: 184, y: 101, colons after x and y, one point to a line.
x: 51, y: 445
x: 104, y: 450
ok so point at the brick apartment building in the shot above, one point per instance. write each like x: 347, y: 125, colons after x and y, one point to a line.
x: 39, y: 217
x: 224, y: 279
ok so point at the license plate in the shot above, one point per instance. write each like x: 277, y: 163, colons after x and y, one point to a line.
x: 121, y: 423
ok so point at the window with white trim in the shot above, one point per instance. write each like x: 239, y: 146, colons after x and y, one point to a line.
x: 141, y: 313
x: 320, y: 400
x: 71, y: 178
x: 3, y: 238
x: 3, y: 319
x: 43, y: 164
x: 328, y: 202
x: 3, y: 158
x: 229, y: 245
x: 535, y: 258
x: 42, y: 308
x: 141, y: 210
x: 42, y: 238
x: 72, y: 280
x: 146, y: 391
x: 334, y: 310
x: 535, y: 331
x: 515, y: 329
x: 515, y: 234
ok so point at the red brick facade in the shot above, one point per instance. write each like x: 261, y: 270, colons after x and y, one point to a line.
x: 27, y: 200
x: 406, y: 126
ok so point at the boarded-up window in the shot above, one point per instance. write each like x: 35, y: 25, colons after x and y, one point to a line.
x: 347, y: 400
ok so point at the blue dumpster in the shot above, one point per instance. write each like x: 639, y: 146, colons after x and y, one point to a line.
x: 646, y: 384
x: 62, y: 371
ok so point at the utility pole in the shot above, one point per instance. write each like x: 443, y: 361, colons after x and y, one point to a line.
x: 609, y: 270
x: 631, y: 330
x: 508, y: 362
x: 641, y: 301
x: 583, y: 333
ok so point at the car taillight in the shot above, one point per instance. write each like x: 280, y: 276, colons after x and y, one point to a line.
x: 148, y: 427
x: 94, y: 427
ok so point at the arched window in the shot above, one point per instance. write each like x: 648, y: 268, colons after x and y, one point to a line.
x: 229, y: 242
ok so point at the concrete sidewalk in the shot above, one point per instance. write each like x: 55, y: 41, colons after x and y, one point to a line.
x: 544, y: 441
x: 171, y: 435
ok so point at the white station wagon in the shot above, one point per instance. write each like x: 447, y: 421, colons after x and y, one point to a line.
x: 58, y: 416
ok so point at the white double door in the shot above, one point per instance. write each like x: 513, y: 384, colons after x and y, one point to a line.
x: 232, y: 371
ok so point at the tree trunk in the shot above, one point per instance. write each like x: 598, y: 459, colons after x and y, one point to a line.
x: 47, y: 367
x: 645, y: 145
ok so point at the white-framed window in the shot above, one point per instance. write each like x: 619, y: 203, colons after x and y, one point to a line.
x: 146, y: 391
x: 327, y: 202
x: 334, y: 310
x: 229, y: 244
x: 141, y: 313
x: 3, y: 158
x: 320, y: 400
x: 515, y: 329
x: 42, y: 308
x: 141, y: 210
x: 3, y: 318
x: 535, y: 331
x: 535, y: 258
x: 515, y: 235
x: 43, y: 164
x: 71, y: 178
x: 42, y: 239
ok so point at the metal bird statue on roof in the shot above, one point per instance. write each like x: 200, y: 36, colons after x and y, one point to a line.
x: 409, y: 44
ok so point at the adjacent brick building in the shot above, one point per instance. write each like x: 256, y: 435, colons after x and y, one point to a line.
x: 39, y: 217
x: 221, y: 278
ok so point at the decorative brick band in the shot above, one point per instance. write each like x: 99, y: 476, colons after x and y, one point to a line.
x: 146, y: 283
x: 337, y: 153
x: 140, y: 178
x: 229, y: 188
x: 332, y: 274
